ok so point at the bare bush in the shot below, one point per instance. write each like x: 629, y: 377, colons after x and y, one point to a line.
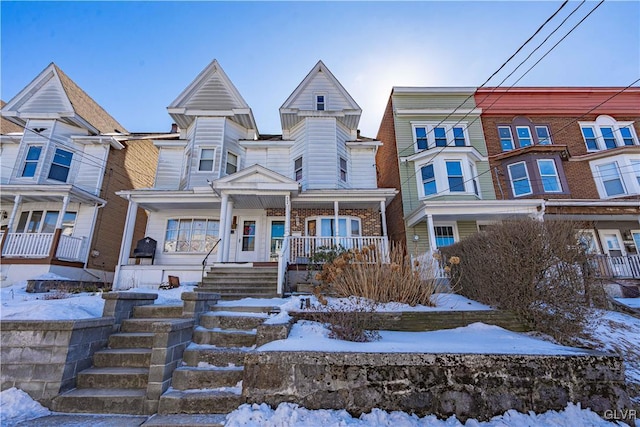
x: 350, y: 320
x: 536, y: 269
x: 369, y: 274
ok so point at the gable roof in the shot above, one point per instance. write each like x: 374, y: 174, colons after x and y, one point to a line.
x: 53, y: 93
x: 211, y: 93
x: 6, y: 126
x: 255, y: 178
x: 300, y: 103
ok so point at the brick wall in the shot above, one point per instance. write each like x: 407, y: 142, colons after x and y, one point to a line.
x: 130, y: 168
x: 389, y: 174
x: 369, y: 218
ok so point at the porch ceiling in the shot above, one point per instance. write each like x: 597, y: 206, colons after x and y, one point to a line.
x: 47, y: 193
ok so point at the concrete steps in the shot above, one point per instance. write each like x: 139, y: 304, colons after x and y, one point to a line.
x: 182, y: 420
x: 199, y: 402
x: 101, y: 401
x: 123, y: 357
x: 113, y: 377
x: 241, y: 282
x: 157, y: 311
x: 225, y: 337
x: 187, y: 377
x: 231, y: 320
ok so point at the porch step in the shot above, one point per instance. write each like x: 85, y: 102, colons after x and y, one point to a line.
x: 241, y: 282
x: 131, y: 340
x: 188, y: 377
x: 101, y: 401
x: 114, y: 377
x: 199, y: 402
x: 122, y: 357
x: 216, y: 356
x: 182, y: 420
x: 225, y: 337
x: 232, y: 320
x: 244, y: 309
x: 142, y: 325
x: 157, y: 311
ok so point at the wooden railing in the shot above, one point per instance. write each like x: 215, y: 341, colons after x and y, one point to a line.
x: 28, y: 245
x: 303, y: 250
x: 616, y: 266
x: 70, y: 248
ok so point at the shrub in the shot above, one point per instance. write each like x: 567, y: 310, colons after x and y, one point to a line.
x: 350, y: 320
x: 367, y: 273
x: 535, y: 269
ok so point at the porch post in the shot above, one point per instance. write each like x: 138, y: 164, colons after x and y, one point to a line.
x: 432, y: 236
x: 63, y: 211
x: 127, y: 237
x: 383, y: 214
x: 17, y: 201
x: 228, y: 228
x: 287, y: 215
x: 335, y: 221
x: 224, y: 233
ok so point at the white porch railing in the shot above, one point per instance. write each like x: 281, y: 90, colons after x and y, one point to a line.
x: 617, y: 266
x: 69, y: 248
x: 29, y: 245
x: 303, y: 249
x: 283, y: 263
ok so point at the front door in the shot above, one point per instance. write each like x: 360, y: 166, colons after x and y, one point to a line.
x: 277, y: 237
x: 247, y: 244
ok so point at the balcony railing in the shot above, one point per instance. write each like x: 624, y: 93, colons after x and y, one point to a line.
x: 28, y: 245
x: 616, y: 266
x: 69, y: 248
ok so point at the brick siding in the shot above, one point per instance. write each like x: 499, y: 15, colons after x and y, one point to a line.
x: 369, y: 218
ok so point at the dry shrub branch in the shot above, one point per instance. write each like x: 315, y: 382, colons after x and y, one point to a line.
x: 536, y: 269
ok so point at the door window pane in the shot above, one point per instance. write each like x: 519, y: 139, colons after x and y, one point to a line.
x: 248, y: 236
x: 34, y: 222
x: 277, y: 237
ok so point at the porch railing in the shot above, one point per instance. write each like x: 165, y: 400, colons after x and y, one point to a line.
x: 29, y: 245
x: 616, y: 266
x: 70, y: 248
x: 283, y: 263
x: 303, y: 249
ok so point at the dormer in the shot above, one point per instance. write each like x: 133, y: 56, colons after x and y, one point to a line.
x: 320, y: 95
x: 212, y: 94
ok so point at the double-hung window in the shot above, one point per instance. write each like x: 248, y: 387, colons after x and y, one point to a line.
x: 627, y: 137
x: 61, y: 165
x: 607, y: 137
x: 440, y: 135
x: 543, y: 135
x: 31, y: 161
x: 320, y: 102
x: 549, y: 176
x: 506, y: 139
x: 343, y: 169
x: 590, y: 138
x: 524, y: 136
x: 428, y: 180
x: 232, y: 163
x: 606, y: 133
x: 191, y: 235
x: 458, y: 137
x: 297, y: 168
x: 207, y: 156
x: 611, y: 180
x: 455, y: 177
x: 519, y: 176
x: 421, y: 138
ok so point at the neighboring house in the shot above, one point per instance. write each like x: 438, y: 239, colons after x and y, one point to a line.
x: 63, y: 157
x: 224, y: 194
x: 577, y: 150
x: 434, y: 153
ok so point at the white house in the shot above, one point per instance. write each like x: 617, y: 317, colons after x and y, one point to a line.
x: 226, y: 193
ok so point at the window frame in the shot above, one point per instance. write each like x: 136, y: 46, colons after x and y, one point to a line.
x: 297, y: 169
x: 67, y: 230
x: 511, y: 140
x: 556, y: 176
x: 55, y: 166
x: 201, y: 150
x: 619, y: 178
x: 430, y: 180
x: 27, y: 161
x: 430, y: 141
x: 546, y: 138
x: 454, y: 232
x: 616, y: 136
x: 317, y: 103
x: 530, y: 138
x: 449, y: 176
x: 343, y: 168
x: 189, y: 242
x: 317, y: 220
x: 512, y: 183
x: 227, y: 163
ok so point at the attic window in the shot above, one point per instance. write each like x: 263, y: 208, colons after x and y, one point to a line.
x: 320, y: 102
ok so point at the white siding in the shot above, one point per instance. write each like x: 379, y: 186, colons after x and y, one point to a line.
x: 363, y: 170
x: 341, y: 149
x: 50, y: 98
x: 91, y: 167
x: 298, y: 134
x: 279, y: 160
x: 209, y: 133
x: 8, y: 161
x: 257, y: 156
x: 232, y: 133
x: 33, y: 138
x: 320, y: 85
x: 169, y: 168
x: 322, y: 153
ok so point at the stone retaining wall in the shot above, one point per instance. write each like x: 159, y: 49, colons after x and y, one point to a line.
x: 43, y: 357
x: 466, y: 385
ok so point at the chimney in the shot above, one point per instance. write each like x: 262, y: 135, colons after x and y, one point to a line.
x: 358, y: 130
x: 174, y: 128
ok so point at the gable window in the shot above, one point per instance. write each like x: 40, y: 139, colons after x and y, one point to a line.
x: 61, y: 165
x: 506, y: 139
x: 549, y: 176
x: 519, y: 176
x: 458, y: 137
x: 444, y: 235
x: 605, y: 133
x: 428, y: 180
x: 232, y: 163
x: 454, y: 175
x: 191, y: 235
x: 205, y: 163
x: 31, y: 161
x: 421, y: 138
x: 343, y: 169
x: 297, y: 168
x: 543, y: 135
x: 610, y: 178
x: 438, y: 135
x: 524, y: 136
x: 320, y: 102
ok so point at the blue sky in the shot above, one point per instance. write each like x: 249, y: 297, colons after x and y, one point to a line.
x: 134, y: 58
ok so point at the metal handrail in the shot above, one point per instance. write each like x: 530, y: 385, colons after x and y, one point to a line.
x: 204, y: 261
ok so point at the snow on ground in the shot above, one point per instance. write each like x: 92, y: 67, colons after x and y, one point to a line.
x: 291, y: 415
x: 475, y: 338
x: 631, y: 302
x: 16, y: 406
